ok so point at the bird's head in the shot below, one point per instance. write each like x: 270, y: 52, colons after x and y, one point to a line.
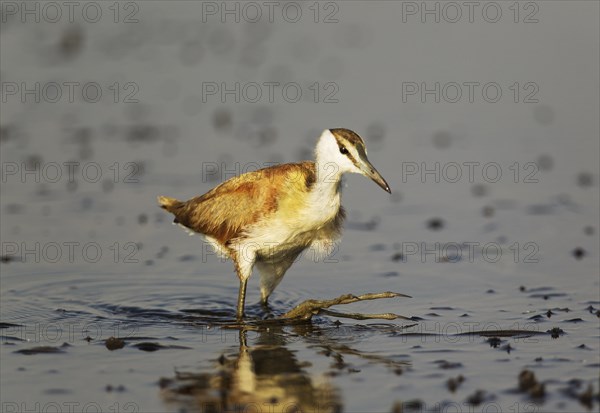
x: 345, y: 150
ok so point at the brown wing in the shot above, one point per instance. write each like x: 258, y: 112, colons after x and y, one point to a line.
x: 227, y: 210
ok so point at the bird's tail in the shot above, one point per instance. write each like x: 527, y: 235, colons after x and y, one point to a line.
x: 168, y: 203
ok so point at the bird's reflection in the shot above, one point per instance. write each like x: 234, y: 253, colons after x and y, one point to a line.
x: 264, y: 377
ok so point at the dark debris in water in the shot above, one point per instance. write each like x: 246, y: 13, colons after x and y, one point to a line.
x: 398, y: 257
x: 9, y: 340
x: 555, y: 332
x: 5, y: 259
x: 150, y: 347
x: 113, y: 343
x: 479, y: 190
x: 43, y: 350
x: 503, y: 333
x: 369, y: 225
x: 585, y: 179
x: 494, y: 342
x: 377, y: 247
x: 71, y: 42
x: 541, y: 209
x: 223, y: 120
x: 9, y: 325
x: 545, y: 162
x: 435, y: 224
x: 442, y: 139
x: 57, y: 392
x: 585, y: 397
x: 454, y: 383
x: 408, y: 406
x: 583, y: 347
x: 119, y: 389
x: 448, y: 365
x: 479, y: 397
x: 143, y: 133
x: 488, y: 211
x: 14, y: 208
x: 547, y: 296
x: 529, y: 384
x: 579, y: 253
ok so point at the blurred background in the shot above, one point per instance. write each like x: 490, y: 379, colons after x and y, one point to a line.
x: 482, y: 116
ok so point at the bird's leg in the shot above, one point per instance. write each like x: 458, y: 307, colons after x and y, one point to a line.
x: 241, y: 299
x: 243, y: 257
x: 264, y: 301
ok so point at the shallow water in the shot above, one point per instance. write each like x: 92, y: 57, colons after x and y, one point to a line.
x: 503, y: 273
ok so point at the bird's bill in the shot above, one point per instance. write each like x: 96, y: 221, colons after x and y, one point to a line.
x: 369, y: 170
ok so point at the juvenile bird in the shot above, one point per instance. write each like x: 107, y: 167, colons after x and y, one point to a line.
x: 266, y: 218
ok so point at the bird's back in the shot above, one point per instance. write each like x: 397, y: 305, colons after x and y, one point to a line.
x: 228, y: 210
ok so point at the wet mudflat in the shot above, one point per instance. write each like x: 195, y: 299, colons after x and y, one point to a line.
x: 480, y: 354
x: 105, y: 306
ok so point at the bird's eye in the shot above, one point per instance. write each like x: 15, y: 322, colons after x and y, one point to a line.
x: 343, y: 150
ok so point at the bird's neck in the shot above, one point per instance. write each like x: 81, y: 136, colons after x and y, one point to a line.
x: 324, y: 199
x: 328, y: 179
x: 328, y: 173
